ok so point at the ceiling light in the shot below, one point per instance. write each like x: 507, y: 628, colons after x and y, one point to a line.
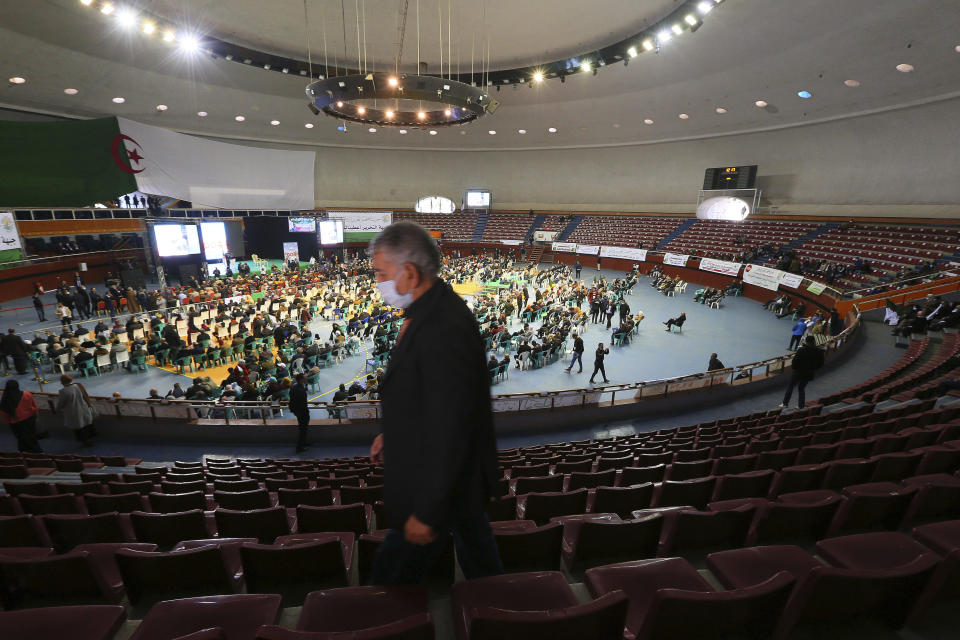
x: 162, y: 107
x: 761, y: 103
x: 552, y: 129
x: 957, y: 48
x: 274, y: 122
x: 389, y: 113
x: 690, y: 19
x: 309, y: 125
x: 492, y: 132
x: 86, y: 3
x: 149, y: 28
x: 339, y: 103
x: 684, y: 116
x: 239, y: 118
x: 17, y: 80
x: 522, y: 131
x: 852, y: 83
x: 169, y: 35
x: 127, y: 18
x: 71, y: 91
x: 677, y: 29
x: 904, y: 68
x: 585, y: 66
x: 647, y: 44
x: 119, y: 100
x: 721, y: 110
x: 433, y: 132
x: 340, y: 127
x: 704, y: 7
x: 202, y: 114
x: 648, y: 121
x: 664, y: 36
x: 447, y: 112
x: 372, y: 129
x: 632, y: 52
x: 190, y: 43
x: 403, y: 132
x: 421, y: 115
x: 538, y: 77
x: 806, y: 95
x: 106, y: 9
x: 361, y: 110
x: 392, y: 81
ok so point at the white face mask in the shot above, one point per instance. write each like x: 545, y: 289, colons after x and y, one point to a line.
x: 388, y: 290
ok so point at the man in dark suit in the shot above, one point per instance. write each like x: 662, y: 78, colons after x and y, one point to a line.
x: 14, y: 347
x: 438, y: 445
x: 298, y: 407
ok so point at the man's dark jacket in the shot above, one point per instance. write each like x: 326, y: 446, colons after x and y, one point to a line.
x: 298, y: 399
x: 440, y: 457
x: 806, y: 361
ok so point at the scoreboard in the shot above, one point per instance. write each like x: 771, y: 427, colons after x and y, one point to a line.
x: 744, y: 177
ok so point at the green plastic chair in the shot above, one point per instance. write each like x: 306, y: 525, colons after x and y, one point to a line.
x: 138, y: 363
x: 88, y: 366
x: 161, y: 357
x: 183, y: 362
x: 213, y: 356
x: 313, y: 382
x: 618, y: 338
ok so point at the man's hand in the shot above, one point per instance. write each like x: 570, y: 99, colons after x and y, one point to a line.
x: 417, y: 532
x: 376, y: 449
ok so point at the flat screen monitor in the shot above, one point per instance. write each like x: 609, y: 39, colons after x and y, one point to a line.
x: 176, y: 239
x: 214, y: 236
x: 330, y: 231
x: 302, y: 225
x: 477, y: 199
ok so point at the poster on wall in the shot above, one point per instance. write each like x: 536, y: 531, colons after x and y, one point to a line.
x: 816, y: 288
x: 624, y: 253
x: 720, y: 266
x: 568, y: 247
x: 675, y: 259
x: 545, y: 236
x: 291, y: 251
x: 792, y: 280
x: 588, y: 249
x: 762, y: 276
x: 362, y: 225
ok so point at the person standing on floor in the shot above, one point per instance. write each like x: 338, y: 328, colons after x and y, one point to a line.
x: 806, y: 361
x: 75, y: 406
x: 577, y: 353
x: 19, y: 410
x: 598, y: 363
x: 38, y: 305
x: 577, y: 267
x: 299, y: 408
x: 14, y: 347
x: 438, y: 446
x: 796, y: 334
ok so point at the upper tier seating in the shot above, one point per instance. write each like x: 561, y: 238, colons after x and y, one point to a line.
x: 718, y: 238
x: 507, y: 226
x: 453, y: 226
x: 624, y: 231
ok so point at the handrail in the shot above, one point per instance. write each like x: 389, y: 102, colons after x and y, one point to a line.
x: 853, y: 293
x: 27, y: 262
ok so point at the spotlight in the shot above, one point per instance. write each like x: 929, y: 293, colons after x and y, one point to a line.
x: 904, y: 68
x: 162, y: 107
x: 169, y: 36
x: 403, y: 132
x: 552, y: 129
x: 313, y: 109
x: 721, y: 110
x: 433, y: 132
x: 392, y: 81
x: 677, y: 29
x: 239, y: 118
x: 17, y: 80
x: 704, y: 7
x: 389, y: 114
x: 339, y: 104
x: 86, y: 3
x: 190, y: 43
x: 521, y: 131
x: 684, y: 116
x: 804, y: 94
x: 274, y: 122
x: 309, y: 125
x: 71, y: 92
x: 421, y: 115
x: 690, y: 19
x: 761, y: 103
x: 119, y: 100
x: 648, y: 121
x: 149, y: 28
x: 361, y: 111
x: 647, y: 45
x: 664, y: 36
x: 202, y: 114
x: 127, y: 18
x: 538, y: 77
x: 372, y: 129
x: 585, y: 66
x: 492, y: 132
x: 106, y: 9
x: 447, y: 112
x: 632, y: 52
x: 852, y: 83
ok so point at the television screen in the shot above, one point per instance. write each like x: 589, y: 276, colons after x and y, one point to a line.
x: 176, y: 239
x: 302, y: 225
x: 478, y: 199
x: 331, y: 231
x: 214, y: 240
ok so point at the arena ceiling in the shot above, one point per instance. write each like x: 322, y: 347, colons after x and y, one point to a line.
x: 745, y: 51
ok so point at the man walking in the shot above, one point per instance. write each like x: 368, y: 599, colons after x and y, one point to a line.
x: 598, y: 363
x: 799, y: 328
x: 438, y: 446
x: 577, y: 353
x: 298, y: 407
x: 806, y: 361
x: 577, y: 267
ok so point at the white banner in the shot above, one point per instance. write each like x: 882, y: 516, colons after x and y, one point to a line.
x: 720, y: 266
x: 588, y: 249
x: 545, y: 236
x: 216, y: 174
x: 624, y: 253
x: 675, y: 259
x: 512, y: 242
x: 792, y: 280
x: 291, y: 251
x: 816, y: 288
x: 368, y: 222
x: 9, y: 235
x: 761, y: 276
x: 568, y: 247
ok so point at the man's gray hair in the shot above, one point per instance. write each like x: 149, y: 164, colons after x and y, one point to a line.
x: 409, y: 242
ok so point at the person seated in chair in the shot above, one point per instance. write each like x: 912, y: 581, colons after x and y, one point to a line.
x: 82, y: 356
x: 676, y: 322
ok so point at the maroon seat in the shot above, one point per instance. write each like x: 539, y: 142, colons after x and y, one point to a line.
x: 670, y: 600
x: 295, y: 570
x: 25, y: 553
x: 537, y: 484
x: 777, y: 460
x: 42, y: 505
x: 167, y: 529
x: 895, y: 466
x: 177, y: 502
x: 734, y: 464
x: 193, y: 476
x: 844, y: 473
x: 67, y: 579
x: 238, y: 616
x: 22, y: 531
x: 364, y: 495
x: 68, y: 531
x: 262, y: 524
x: 236, y: 486
x: 798, y: 478
x: 630, y: 476
x: 942, y: 537
x: 529, y: 471
x: 151, y: 577
x: 417, y: 627
x: 533, y: 606
x: 116, y: 503
x: 80, y: 488
x: 30, y: 488
x: 689, y: 470
x: 352, y: 517
x: 540, y: 507
x: 293, y: 498
x: 90, y: 622
x: 243, y: 500
x: 939, y: 459
x: 143, y: 488
x: 938, y: 498
x: 752, y: 484
x: 621, y: 500
x: 599, y: 539
x: 359, y: 608
x: 876, y: 505
x: 693, y: 493
x: 524, y: 546
x: 689, y: 531
x: 504, y: 508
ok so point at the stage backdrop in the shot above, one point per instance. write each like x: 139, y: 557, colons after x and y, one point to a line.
x: 265, y: 237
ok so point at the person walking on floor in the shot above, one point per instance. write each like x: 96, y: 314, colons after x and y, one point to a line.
x: 577, y: 267
x: 38, y: 305
x: 806, y: 361
x: 438, y: 446
x: 598, y: 363
x: 75, y: 406
x: 19, y: 410
x: 299, y: 408
x: 799, y: 328
x: 577, y: 353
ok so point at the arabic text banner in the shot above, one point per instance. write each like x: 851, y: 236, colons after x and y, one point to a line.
x: 792, y: 280
x: 567, y: 247
x: 675, y: 260
x: 362, y: 225
x: 588, y: 249
x: 624, y: 253
x: 720, y: 266
x: 760, y: 276
x: 9, y: 237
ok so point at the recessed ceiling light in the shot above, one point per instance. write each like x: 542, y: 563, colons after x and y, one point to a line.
x: 274, y: 122
x: 169, y: 35
x: 704, y: 7
x: 339, y: 103
x: 162, y: 107
x: 202, y: 114
x: 648, y: 121
x: 684, y: 116
x: 538, y: 77
x: 388, y: 113
x: 148, y: 28
x: 522, y: 131
x: 309, y: 125
x: 585, y: 65
x: 632, y: 52
x: 806, y: 95
x: 190, y: 43
x: 433, y: 132
x: 239, y: 118
x: 664, y: 36
x: 677, y: 29
x: 106, y: 9
x: 690, y: 19
x: 70, y: 91
x: 361, y: 110
x: 463, y: 133
x: 17, y: 80
x: 647, y: 44
x: 392, y: 81
x: 761, y: 103
x: 127, y: 17
x: 852, y: 83
x: 957, y: 48
x: 616, y: 125
x: 552, y: 129
x: 447, y: 112
x: 403, y: 132
x: 904, y: 68
x: 86, y: 3
x: 372, y: 129
x: 492, y: 132
x: 421, y: 115
x: 119, y: 100
x: 721, y: 110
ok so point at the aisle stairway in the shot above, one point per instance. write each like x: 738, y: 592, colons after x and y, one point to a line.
x: 570, y: 228
x: 686, y: 224
x: 536, y: 224
x: 533, y: 257
x: 481, y: 226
